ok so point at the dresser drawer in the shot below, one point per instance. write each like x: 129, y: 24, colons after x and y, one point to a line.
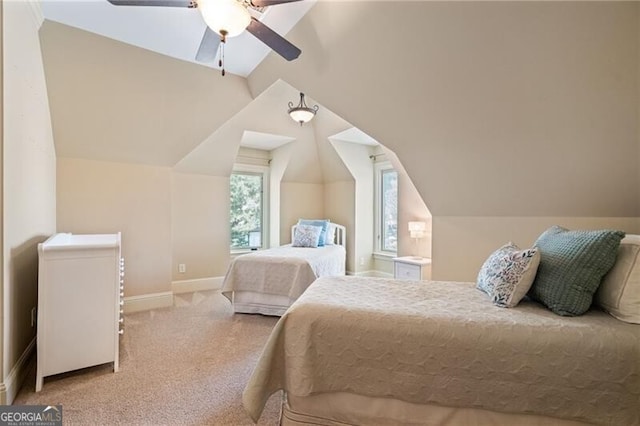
x: 405, y: 271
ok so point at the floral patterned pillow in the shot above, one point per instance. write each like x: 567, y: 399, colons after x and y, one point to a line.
x: 507, y: 275
x: 307, y: 236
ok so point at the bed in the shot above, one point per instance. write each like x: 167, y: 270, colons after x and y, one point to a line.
x: 357, y: 350
x: 268, y: 281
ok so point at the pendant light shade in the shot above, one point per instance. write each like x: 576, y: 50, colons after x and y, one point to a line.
x: 301, y: 112
x: 227, y: 18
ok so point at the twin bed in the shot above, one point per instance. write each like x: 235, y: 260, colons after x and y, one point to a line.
x: 356, y: 350
x: 268, y: 281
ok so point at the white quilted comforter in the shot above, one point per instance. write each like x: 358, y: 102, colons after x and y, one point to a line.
x: 444, y: 343
x: 283, y: 271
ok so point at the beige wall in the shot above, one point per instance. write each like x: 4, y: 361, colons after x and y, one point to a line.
x: 299, y: 200
x: 304, y: 165
x: 116, y: 102
x: 279, y: 160
x: 101, y: 197
x: 3, y: 399
x: 340, y: 207
x: 486, y: 125
x: 29, y: 183
x: 356, y: 158
x: 3, y: 324
x: 494, y: 121
x: 480, y: 92
x: 166, y: 217
x: 325, y: 125
x: 200, y: 218
x: 477, y: 237
x: 411, y: 207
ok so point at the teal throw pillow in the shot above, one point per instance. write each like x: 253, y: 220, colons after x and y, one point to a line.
x: 572, y: 265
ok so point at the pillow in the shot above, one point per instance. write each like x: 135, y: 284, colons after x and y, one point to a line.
x: 506, y: 276
x: 572, y: 265
x: 317, y: 222
x: 330, y: 239
x: 306, y: 236
x: 619, y: 293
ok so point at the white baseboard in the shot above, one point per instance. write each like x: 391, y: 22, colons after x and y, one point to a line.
x: 146, y: 302
x: 9, y: 389
x: 371, y: 273
x: 199, y: 284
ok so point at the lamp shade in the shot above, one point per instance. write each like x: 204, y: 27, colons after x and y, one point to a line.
x: 301, y: 112
x: 301, y: 115
x: 228, y: 18
x: 416, y: 229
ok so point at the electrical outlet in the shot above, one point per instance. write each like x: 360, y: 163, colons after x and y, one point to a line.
x: 362, y: 261
x: 182, y: 268
x: 33, y: 316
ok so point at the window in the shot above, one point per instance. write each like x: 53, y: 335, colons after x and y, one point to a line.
x: 386, y: 208
x: 248, y: 207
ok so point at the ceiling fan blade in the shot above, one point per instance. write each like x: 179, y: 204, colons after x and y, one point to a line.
x: 162, y: 3
x: 274, y: 40
x: 208, y: 46
x: 265, y: 3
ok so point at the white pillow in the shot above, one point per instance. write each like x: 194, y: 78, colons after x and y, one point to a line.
x: 307, y: 236
x: 619, y: 292
x: 330, y: 239
x: 507, y: 275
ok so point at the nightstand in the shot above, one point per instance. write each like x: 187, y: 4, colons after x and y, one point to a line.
x: 411, y: 268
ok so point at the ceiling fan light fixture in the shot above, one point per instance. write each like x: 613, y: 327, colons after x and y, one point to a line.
x: 227, y: 18
x: 301, y: 113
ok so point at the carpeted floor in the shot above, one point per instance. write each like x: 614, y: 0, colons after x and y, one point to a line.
x: 185, y: 365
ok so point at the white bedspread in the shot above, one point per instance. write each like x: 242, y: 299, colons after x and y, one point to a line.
x: 285, y: 271
x: 444, y: 343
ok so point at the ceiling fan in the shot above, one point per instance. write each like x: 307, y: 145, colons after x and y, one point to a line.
x: 227, y: 18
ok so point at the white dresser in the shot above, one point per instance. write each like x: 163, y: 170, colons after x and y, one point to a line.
x: 80, y: 303
x: 411, y: 268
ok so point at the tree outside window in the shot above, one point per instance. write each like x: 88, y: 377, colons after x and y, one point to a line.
x: 246, y: 210
x: 389, y: 210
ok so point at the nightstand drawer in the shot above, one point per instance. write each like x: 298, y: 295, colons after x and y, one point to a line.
x: 405, y: 271
x: 411, y: 268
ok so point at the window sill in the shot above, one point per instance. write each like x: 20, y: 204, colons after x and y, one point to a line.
x: 384, y: 256
x: 234, y: 253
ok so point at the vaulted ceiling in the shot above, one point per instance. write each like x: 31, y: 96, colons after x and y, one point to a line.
x: 173, y: 31
x: 118, y: 93
x: 113, y: 101
x: 465, y: 93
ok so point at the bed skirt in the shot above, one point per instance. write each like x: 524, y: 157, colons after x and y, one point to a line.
x: 250, y: 302
x: 341, y: 409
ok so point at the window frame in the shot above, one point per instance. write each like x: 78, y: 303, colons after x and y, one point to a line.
x: 264, y: 172
x: 379, y: 169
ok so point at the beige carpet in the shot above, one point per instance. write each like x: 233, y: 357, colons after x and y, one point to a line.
x: 185, y: 365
